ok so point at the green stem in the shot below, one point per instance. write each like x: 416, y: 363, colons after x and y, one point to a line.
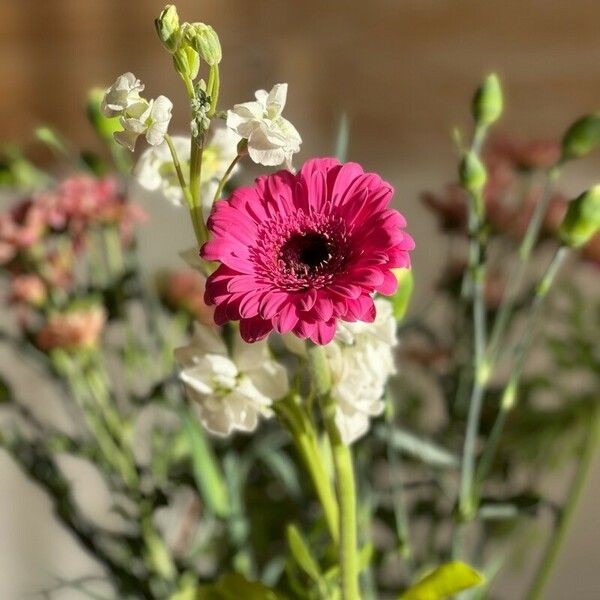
x: 180, y: 177
x: 195, y: 182
x: 569, y: 510
x: 516, y: 280
x: 523, y: 345
x: 213, y: 86
x: 225, y: 177
x: 299, y: 424
x: 477, y: 273
x: 344, y: 474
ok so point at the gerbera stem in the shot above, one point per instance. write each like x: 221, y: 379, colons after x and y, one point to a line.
x: 344, y: 475
x: 299, y: 424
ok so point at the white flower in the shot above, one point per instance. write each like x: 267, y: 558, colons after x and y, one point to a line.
x: 272, y: 139
x: 230, y: 392
x: 155, y: 170
x: 149, y: 118
x: 124, y: 92
x: 361, y: 361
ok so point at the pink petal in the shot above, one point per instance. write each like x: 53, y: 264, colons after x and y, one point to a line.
x: 255, y: 329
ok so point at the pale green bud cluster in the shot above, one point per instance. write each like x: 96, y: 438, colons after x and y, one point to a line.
x: 187, y: 42
x: 581, y: 138
x: 187, y: 62
x: 488, y: 101
x: 582, y: 220
x: 204, y: 40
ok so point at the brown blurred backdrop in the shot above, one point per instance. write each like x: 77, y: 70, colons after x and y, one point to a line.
x: 403, y: 70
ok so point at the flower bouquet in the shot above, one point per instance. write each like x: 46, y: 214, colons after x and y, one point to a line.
x: 393, y: 454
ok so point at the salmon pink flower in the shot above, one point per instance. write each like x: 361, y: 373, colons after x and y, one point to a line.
x: 300, y: 252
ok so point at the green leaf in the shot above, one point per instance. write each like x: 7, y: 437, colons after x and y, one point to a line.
x: 444, y: 581
x: 301, y: 553
x: 282, y: 467
x: 420, y: 448
x: 401, y: 299
x: 237, y: 587
x: 207, y: 472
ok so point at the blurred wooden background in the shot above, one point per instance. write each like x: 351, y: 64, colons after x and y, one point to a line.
x: 403, y: 70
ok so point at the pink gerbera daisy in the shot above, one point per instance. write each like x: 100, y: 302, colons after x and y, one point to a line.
x: 298, y: 252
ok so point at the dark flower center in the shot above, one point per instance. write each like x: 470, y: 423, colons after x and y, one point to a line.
x: 306, y: 251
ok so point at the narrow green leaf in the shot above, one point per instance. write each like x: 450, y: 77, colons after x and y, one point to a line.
x: 207, y: 472
x: 301, y: 553
x: 53, y: 140
x: 443, y: 582
x: 282, y: 467
x: 420, y: 448
x: 342, y: 138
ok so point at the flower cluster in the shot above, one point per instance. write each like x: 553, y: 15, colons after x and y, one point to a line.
x: 271, y: 139
x: 136, y: 115
x: 230, y: 392
x: 77, y: 328
x: 43, y: 243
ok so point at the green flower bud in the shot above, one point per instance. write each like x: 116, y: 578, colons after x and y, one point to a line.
x: 472, y: 173
x: 488, y: 102
x: 187, y: 62
x: 581, y: 138
x: 582, y: 220
x: 167, y: 27
x: 204, y: 39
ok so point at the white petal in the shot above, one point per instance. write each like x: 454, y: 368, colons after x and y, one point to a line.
x: 126, y: 138
x: 276, y: 99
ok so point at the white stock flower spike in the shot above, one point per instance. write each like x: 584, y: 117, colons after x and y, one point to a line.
x: 230, y: 392
x: 272, y: 140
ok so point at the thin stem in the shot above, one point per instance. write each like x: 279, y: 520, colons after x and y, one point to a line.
x: 299, y: 424
x: 523, y: 345
x: 477, y: 273
x: 569, y: 510
x: 225, y: 177
x: 516, y: 280
x: 184, y: 186
x: 344, y: 473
